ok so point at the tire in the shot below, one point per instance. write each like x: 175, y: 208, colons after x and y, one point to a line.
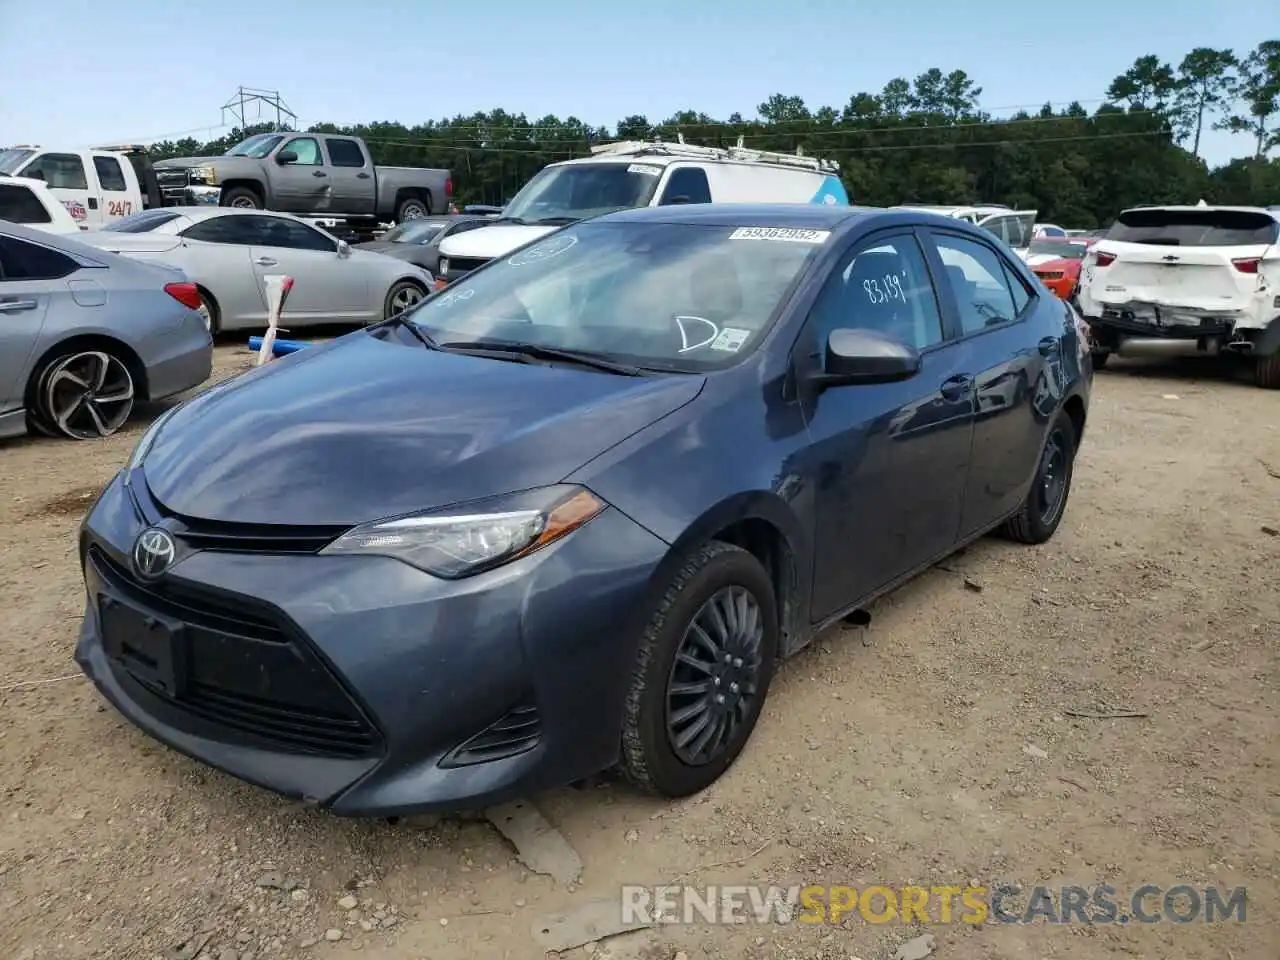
x: 209, y: 309
x: 650, y: 757
x: 1266, y: 372
x: 401, y: 297
x: 81, y: 395
x: 412, y: 208
x: 1100, y: 358
x: 1037, y: 519
x: 241, y: 197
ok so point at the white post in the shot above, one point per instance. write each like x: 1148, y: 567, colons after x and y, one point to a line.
x: 277, y: 287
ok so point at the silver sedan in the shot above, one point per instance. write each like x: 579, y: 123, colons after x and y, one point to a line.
x: 85, y: 334
x: 227, y: 252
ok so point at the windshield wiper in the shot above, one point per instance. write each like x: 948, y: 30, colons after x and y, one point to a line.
x: 518, y: 221
x: 555, y: 221
x: 536, y: 352
x: 402, y: 320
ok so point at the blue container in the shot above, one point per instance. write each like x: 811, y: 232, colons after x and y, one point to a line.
x: 280, y: 347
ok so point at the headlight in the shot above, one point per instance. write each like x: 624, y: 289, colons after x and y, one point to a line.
x: 144, y: 445
x: 204, y: 175
x: 460, y: 542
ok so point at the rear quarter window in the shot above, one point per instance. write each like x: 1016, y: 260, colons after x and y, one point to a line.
x: 1195, y: 228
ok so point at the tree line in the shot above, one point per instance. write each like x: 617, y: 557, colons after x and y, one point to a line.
x: 926, y: 140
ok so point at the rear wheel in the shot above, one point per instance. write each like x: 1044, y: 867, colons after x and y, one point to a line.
x: 411, y: 208
x: 702, y: 673
x: 82, y: 395
x: 209, y: 313
x: 1039, y: 516
x: 1266, y: 373
x: 405, y: 295
x: 1100, y: 358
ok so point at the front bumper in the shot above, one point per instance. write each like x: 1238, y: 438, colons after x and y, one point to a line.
x: 359, y: 683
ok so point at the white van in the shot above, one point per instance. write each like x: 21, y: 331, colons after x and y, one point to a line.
x: 96, y: 186
x: 618, y: 176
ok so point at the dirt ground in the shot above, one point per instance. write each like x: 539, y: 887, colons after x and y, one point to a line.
x: 935, y: 746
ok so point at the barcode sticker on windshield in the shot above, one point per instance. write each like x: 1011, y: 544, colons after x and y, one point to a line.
x: 646, y: 169
x: 784, y: 234
x: 731, y: 339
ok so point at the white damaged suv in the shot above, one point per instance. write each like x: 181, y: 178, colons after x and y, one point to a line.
x: 1206, y: 276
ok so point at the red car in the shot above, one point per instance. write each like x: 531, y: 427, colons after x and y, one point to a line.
x: 1056, y: 261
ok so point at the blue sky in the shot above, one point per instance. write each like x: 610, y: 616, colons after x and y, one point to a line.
x: 144, y: 69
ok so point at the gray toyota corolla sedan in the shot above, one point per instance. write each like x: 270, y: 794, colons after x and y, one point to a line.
x: 85, y: 334
x: 571, y: 512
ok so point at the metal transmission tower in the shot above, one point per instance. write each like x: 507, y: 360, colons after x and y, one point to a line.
x: 250, y: 105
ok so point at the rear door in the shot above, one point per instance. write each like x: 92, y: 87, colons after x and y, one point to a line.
x: 29, y: 276
x: 69, y: 181
x: 117, y: 184
x: 351, y: 176
x: 327, y: 288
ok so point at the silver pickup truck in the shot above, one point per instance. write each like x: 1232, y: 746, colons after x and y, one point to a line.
x: 309, y: 174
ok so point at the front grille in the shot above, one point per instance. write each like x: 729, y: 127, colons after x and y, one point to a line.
x: 465, y: 264
x: 517, y: 732
x: 235, y: 537
x: 173, y: 185
x: 244, y: 670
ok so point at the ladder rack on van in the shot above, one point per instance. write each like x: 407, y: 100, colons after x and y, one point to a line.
x: 739, y: 154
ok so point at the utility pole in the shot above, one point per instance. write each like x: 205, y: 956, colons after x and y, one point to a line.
x: 249, y: 96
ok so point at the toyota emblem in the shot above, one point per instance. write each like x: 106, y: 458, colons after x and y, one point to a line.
x: 154, y: 552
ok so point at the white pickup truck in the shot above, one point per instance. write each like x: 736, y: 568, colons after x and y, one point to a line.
x: 97, y: 187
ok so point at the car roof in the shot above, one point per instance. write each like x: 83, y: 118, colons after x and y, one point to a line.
x: 205, y: 212
x: 814, y: 216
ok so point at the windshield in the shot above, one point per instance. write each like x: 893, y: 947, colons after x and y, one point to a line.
x: 578, y: 191
x: 1195, y: 228
x: 414, y: 231
x: 672, y: 296
x: 256, y: 146
x: 11, y: 160
x: 140, y: 222
x: 1053, y: 247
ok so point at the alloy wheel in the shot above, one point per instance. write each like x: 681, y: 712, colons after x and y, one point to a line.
x: 1053, y: 477
x: 88, y: 395
x: 405, y: 298
x: 715, y: 677
x: 413, y: 211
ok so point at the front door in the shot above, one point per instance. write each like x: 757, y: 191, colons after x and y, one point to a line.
x: 302, y: 186
x: 889, y: 461
x: 1010, y: 363
x: 327, y: 288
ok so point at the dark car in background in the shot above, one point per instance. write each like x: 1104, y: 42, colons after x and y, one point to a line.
x: 418, y: 241
x: 572, y: 511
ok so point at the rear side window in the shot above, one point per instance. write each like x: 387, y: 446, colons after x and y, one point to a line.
x: 687, y: 185
x: 109, y: 173
x: 344, y: 153
x: 1195, y: 228
x: 224, y: 230
x: 20, y: 205
x: 20, y: 260
x: 61, y: 171
x: 984, y: 296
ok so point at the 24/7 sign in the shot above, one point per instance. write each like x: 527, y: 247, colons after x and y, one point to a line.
x: 119, y: 208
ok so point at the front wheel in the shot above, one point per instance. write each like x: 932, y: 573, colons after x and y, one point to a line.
x: 242, y: 198
x: 1038, y: 517
x: 702, y: 673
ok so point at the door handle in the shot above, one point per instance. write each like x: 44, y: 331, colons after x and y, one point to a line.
x: 17, y: 306
x: 266, y: 262
x: 93, y: 203
x: 1049, y: 346
x: 955, y: 388
x: 363, y: 176
x: 318, y: 173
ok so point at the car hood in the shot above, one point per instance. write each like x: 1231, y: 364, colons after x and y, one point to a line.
x: 375, y: 425
x: 489, y: 242
x: 183, y: 163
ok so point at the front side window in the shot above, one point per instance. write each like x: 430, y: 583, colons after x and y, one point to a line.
x: 978, y: 282
x: 61, y: 171
x: 578, y: 191
x: 307, y: 149
x: 675, y: 296
x: 884, y: 287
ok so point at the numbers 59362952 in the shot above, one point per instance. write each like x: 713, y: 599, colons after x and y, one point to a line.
x: 884, y: 289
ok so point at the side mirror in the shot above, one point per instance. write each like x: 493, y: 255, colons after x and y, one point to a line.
x: 344, y: 248
x: 855, y: 355
x: 286, y: 156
